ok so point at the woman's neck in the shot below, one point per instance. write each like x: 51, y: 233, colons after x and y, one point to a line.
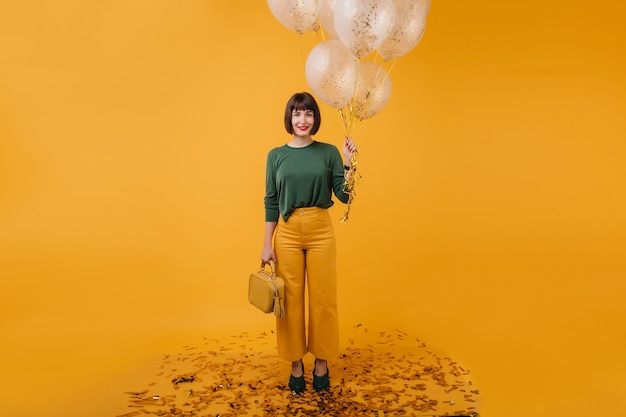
x: 301, y: 141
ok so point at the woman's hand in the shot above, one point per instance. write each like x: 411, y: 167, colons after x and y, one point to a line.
x: 268, y: 249
x: 349, y: 148
x: 267, y: 255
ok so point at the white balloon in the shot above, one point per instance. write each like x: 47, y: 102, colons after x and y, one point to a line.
x: 296, y: 15
x: 332, y: 72
x: 407, y: 29
x: 327, y: 17
x: 373, y: 92
x: 363, y: 25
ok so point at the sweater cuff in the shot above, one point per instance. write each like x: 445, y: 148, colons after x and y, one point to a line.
x: 271, y: 215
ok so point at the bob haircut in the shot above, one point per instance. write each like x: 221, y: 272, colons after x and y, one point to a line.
x: 302, y: 101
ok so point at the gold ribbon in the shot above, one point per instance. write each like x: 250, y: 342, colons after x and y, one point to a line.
x: 348, y: 185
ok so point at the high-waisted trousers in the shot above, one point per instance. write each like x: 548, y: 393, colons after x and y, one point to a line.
x: 306, y: 255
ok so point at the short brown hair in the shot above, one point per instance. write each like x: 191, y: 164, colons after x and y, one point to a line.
x: 302, y: 101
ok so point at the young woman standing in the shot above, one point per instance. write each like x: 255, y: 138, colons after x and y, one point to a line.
x: 301, y: 178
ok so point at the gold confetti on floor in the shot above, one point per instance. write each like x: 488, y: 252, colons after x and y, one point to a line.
x: 378, y: 374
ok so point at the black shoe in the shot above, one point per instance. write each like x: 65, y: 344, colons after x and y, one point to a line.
x: 296, y: 383
x: 321, y: 382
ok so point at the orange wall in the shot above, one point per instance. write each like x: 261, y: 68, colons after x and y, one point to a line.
x: 490, y: 221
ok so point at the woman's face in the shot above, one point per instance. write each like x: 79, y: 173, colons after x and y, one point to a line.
x: 302, y: 122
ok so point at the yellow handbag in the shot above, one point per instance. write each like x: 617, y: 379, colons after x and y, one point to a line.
x: 267, y: 291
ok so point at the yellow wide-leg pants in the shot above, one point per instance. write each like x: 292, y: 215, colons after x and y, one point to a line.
x: 306, y: 255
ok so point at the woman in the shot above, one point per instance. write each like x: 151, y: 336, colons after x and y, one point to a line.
x: 301, y: 177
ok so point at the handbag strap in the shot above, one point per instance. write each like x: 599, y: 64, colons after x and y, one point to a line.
x: 272, y: 268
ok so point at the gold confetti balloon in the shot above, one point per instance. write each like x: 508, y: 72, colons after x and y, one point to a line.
x: 363, y: 25
x: 327, y: 18
x: 296, y: 15
x: 374, y: 90
x: 332, y: 72
x: 407, y: 30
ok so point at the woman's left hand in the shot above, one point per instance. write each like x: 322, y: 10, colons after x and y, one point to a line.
x: 349, y: 147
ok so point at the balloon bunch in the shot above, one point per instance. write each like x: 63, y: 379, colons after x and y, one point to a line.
x: 338, y: 69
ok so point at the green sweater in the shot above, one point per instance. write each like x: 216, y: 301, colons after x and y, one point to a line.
x: 302, y: 177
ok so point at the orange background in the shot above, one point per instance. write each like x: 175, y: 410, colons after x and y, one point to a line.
x: 490, y: 221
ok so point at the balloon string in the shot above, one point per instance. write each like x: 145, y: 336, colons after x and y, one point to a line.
x: 348, y: 114
x: 320, y: 33
x: 300, y: 36
x: 348, y: 185
x: 350, y: 121
x: 372, y: 94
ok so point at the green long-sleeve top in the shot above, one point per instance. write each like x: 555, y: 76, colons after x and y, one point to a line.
x: 302, y: 177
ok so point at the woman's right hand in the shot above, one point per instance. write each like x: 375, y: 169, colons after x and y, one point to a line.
x: 268, y: 248
x: 267, y: 255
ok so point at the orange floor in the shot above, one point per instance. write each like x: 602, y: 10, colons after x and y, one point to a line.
x: 386, y: 372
